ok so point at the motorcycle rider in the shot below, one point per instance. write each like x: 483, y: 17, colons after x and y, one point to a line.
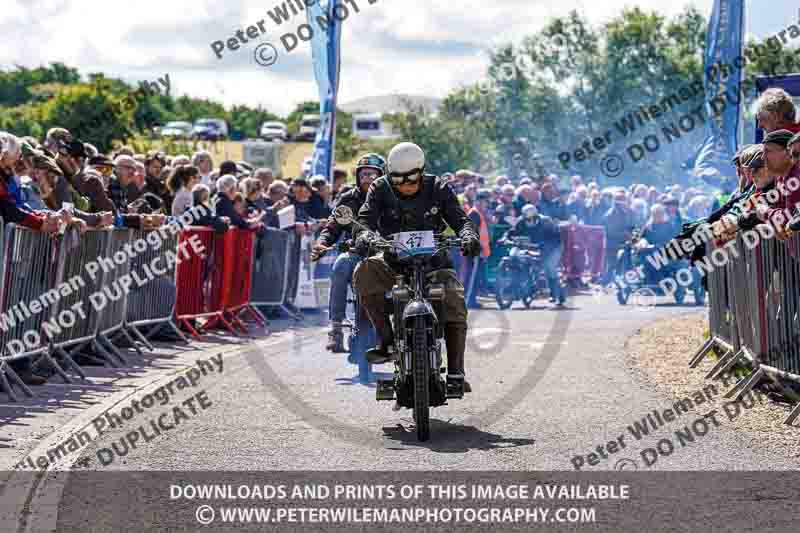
x: 544, y: 232
x: 407, y: 199
x: 368, y: 168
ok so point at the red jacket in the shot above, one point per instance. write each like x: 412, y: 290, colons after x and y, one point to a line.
x: 13, y: 214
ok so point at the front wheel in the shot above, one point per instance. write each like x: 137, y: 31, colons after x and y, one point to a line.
x: 421, y: 371
x: 504, y: 288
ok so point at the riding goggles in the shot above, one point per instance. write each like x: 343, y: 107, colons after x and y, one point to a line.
x: 412, y: 176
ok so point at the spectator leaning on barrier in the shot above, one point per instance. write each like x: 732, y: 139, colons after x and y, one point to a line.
x: 778, y: 147
x: 201, y: 197
x: 181, y: 183
x: 118, y: 193
x: 224, y: 206
x: 10, y: 152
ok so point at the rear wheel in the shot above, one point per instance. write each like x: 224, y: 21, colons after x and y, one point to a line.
x: 421, y: 372
x: 529, y: 289
x: 504, y: 287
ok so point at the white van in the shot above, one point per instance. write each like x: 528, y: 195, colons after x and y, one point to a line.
x: 309, y: 124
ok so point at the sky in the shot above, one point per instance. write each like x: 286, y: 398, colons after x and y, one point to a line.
x: 425, y: 47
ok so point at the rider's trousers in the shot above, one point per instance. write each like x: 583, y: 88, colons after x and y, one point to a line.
x: 374, y: 277
x: 340, y: 278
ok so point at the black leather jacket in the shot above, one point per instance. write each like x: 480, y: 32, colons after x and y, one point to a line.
x: 353, y: 199
x: 433, y: 208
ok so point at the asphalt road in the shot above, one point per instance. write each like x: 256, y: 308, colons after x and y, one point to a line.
x: 547, y: 386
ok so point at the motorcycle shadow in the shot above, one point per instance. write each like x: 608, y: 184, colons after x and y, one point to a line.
x: 447, y: 437
x: 355, y: 380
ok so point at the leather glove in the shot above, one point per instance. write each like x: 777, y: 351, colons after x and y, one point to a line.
x: 470, y: 246
x: 363, y: 244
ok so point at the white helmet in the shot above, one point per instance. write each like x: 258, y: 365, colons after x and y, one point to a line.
x: 530, y: 211
x: 404, y: 159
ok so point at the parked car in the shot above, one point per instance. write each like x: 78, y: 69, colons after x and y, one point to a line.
x: 177, y: 130
x: 309, y: 124
x: 271, y: 131
x: 210, y: 129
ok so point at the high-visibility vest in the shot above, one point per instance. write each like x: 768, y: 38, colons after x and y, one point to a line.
x: 483, y: 233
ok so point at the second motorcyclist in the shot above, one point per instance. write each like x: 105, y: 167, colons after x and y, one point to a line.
x: 368, y: 168
x: 544, y: 232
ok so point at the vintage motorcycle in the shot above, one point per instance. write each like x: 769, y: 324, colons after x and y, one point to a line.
x: 519, y: 275
x: 416, y: 308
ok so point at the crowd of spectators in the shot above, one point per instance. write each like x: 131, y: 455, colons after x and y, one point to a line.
x: 51, y: 183
x: 655, y: 212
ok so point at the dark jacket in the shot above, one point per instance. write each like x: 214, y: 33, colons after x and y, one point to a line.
x: 619, y: 224
x: 546, y: 234
x: 118, y: 196
x: 553, y: 208
x: 159, y: 188
x: 433, y: 208
x: 353, y: 199
x: 223, y: 207
x: 207, y: 218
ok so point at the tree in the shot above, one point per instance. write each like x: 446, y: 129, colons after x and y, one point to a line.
x: 91, y: 114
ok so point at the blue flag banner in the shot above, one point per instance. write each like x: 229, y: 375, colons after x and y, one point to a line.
x: 326, y: 20
x: 723, y: 74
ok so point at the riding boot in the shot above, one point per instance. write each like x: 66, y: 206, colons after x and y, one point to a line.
x: 455, y: 337
x: 382, y: 352
x: 335, y: 339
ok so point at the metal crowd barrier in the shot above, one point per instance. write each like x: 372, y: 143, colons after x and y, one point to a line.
x: 198, y: 279
x: 153, y: 303
x: 239, y: 251
x: 215, y: 284
x: 54, y: 305
x: 30, y: 270
x: 272, y: 264
x: 754, y: 313
x: 76, y: 252
x: 112, y: 305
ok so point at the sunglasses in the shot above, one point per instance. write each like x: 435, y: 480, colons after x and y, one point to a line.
x: 406, y: 177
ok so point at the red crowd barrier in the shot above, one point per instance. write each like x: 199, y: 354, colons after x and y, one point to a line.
x: 584, y: 250
x: 214, y: 284
x: 238, y: 270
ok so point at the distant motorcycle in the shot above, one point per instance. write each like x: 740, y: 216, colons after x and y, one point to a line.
x: 518, y: 275
x: 417, y: 315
